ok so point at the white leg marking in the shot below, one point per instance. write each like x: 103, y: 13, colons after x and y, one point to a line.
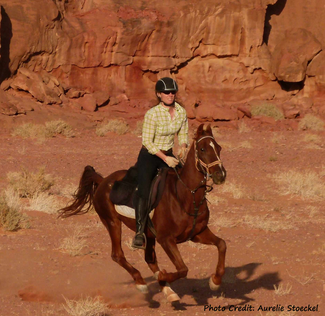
x: 170, y: 294
x: 213, y: 286
x: 143, y: 288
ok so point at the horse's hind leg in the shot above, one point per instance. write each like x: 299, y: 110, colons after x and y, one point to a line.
x: 208, y: 238
x: 114, y: 228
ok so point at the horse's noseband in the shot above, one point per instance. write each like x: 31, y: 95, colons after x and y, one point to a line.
x: 201, y: 163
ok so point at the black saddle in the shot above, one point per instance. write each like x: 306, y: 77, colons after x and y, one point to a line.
x: 124, y: 191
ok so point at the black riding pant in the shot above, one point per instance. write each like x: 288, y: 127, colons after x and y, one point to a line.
x: 148, y: 166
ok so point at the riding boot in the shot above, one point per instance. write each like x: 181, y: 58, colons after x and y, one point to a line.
x: 141, y: 212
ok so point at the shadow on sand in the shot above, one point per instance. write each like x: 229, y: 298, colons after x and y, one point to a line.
x: 232, y: 287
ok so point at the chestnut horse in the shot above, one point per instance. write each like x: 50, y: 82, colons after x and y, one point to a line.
x: 182, y: 213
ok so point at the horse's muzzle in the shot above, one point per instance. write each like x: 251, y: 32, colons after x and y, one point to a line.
x: 219, y: 176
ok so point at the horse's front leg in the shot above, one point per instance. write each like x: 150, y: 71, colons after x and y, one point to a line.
x: 208, y: 238
x: 151, y: 259
x: 170, y: 247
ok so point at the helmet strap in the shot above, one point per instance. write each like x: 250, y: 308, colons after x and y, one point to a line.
x: 172, y: 104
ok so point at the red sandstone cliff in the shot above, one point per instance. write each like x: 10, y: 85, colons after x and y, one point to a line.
x: 92, y: 54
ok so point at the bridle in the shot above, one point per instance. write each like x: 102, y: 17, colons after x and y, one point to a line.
x: 203, y: 183
x: 201, y: 163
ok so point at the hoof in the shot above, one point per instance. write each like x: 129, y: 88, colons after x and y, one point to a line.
x: 170, y: 294
x: 213, y: 286
x: 143, y: 288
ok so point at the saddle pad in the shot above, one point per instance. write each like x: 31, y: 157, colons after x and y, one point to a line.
x: 128, y: 211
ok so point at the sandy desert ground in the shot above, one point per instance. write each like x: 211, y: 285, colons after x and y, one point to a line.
x: 270, y: 211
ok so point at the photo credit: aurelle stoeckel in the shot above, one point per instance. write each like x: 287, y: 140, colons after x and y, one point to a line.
x: 262, y: 308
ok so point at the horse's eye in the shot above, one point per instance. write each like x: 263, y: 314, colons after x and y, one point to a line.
x: 202, y: 149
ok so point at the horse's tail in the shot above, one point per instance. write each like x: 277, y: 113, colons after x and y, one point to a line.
x: 88, y: 184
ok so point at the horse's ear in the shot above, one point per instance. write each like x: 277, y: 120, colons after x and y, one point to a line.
x: 208, y: 129
x: 199, y: 131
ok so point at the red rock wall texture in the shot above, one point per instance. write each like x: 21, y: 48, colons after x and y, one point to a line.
x: 91, y: 53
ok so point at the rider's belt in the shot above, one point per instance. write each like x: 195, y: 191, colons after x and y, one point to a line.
x: 166, y: 152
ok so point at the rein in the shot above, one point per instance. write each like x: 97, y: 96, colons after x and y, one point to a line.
x: 208, y: 188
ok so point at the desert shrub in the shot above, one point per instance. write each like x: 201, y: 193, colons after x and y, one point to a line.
x: 85, y: 307
x: 11, y: 218
x: 306, y: 184
x: 29, y: 130
x: 44, y: 202
x: 138, y: 128
x: 266, y: 224
x: 234, y: 189
x: 117, y: 126
x: 30, y: 184
x: 54, y: 128
x: 267, y: 109
x: 312, y: 138
x: 75, y: 243
x: 39, y: 131
x: 311, y: 122
x: 282, y: 290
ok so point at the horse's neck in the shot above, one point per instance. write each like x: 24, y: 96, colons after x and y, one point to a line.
x: 190, y: 175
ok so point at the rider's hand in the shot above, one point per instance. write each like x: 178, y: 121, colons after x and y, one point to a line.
x: 171, y: 162
x: 182, y: 153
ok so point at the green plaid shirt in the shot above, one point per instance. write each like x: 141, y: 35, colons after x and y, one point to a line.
x: 159, y: 129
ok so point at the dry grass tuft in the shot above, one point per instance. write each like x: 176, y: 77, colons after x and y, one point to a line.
x: 58, y: 127
x: 11, y: 219
x: 267, y: 109
x: 282, y: 290
x: 86, y: 307
x: 266, y: 224
x: 28, y: 130
x: 44, y: 202
x: 75, y: 243
x: 311, y: 122
x: 312, y: 138
x: 214, y: 198
x: 41, y: 132
x: 306, y: 184
x: 302, y: 278
x: 117, y: 126
x: 234, y: 189
x: 138, y: 128
x: 30, y: 184
x: 223, y: 221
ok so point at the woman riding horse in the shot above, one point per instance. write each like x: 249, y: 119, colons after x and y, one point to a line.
x: 161, y: 123
x: 181, y: 215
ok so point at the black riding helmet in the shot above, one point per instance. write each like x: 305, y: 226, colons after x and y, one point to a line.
x: 166, y: 84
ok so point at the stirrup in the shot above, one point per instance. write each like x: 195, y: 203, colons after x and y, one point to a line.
x: 138, y: 246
